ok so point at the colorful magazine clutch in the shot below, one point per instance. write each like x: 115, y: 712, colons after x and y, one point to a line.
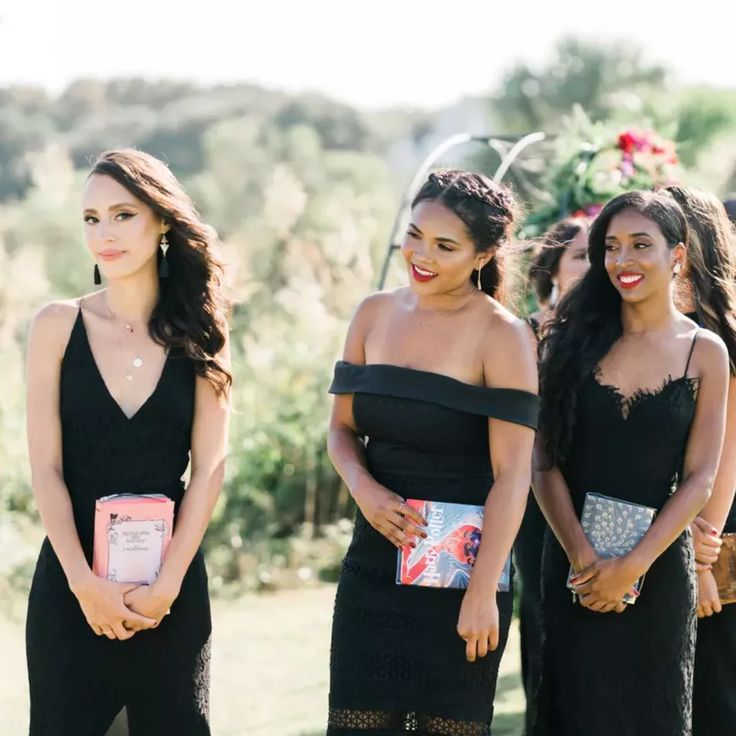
x: 445, y: 558
x: 132, y: 534
x: 613, y: 528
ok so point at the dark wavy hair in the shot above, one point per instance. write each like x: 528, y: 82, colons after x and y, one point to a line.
x: 546, y: 263
x: 730, y: 204
x: 488, y: 211
x: 711, y: 263
x: 587, y: 320
x: 191, y: 313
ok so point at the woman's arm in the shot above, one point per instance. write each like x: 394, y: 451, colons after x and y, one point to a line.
x: 719, y: 504
x: 101, y: 601
x: 209, y: 449
x: 553, y: 496
x: 608, y: 580
x: 383, y: 509
x: 509, y: 362
x: 49, y: 333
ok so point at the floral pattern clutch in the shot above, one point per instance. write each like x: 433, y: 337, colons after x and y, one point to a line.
x: 613, y: 528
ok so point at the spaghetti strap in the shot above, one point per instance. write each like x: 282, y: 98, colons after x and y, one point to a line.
x: 690, y: 355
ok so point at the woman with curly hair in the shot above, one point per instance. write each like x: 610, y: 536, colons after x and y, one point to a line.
x: 632, y: 407
x: 123, y: 385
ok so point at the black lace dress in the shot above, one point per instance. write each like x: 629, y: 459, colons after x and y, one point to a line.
x: 397, y: 663
x: 627, y: 674
x: 79, y: 681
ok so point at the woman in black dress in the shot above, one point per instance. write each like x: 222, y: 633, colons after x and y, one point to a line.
x: 435, y: 400
x: 561, y: 262
x: 633, y: 408
x: 123, y: 384
x: 709, y: 297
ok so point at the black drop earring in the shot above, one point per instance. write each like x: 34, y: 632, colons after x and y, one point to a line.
x: 163, y: 266
x: 98, y: 278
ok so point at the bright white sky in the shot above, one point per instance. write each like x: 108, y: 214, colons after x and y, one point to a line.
x: 372, y: 54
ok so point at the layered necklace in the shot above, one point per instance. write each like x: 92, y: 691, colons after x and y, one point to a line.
x: 133, y: 360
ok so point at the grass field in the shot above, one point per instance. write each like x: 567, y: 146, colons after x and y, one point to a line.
x: 269, y: 669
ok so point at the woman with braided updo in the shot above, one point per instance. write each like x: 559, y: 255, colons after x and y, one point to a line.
x: 435, y: 399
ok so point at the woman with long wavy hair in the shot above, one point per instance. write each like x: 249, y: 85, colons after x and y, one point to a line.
x: 124, y: 385
x: 708, y: 296
x: 632, y: 408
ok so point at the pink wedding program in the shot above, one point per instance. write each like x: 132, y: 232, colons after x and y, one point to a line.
x: 132, y: 534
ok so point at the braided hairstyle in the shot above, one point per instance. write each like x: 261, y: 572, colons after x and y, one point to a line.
x: 488, y: 211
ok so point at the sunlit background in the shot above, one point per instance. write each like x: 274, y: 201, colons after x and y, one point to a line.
x: 297, y: 128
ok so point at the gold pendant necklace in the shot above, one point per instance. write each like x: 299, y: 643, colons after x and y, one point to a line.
x: 137, y: 361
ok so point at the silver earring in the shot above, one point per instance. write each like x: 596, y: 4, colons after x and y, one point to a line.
x: 554, y: 294
x: 480, y: 288
x: 163, y: 267
x: 677, y: 268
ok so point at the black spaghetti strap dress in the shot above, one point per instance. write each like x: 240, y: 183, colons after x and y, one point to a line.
x: 627, y: 674
x: 80, y: 681
x: 397, y: 664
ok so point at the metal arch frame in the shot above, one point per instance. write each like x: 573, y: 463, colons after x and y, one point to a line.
x: 494, y: 142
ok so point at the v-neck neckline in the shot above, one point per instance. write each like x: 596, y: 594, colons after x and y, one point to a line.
x: 105, y: 387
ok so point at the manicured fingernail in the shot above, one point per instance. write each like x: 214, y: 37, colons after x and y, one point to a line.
x: 714, y: 532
